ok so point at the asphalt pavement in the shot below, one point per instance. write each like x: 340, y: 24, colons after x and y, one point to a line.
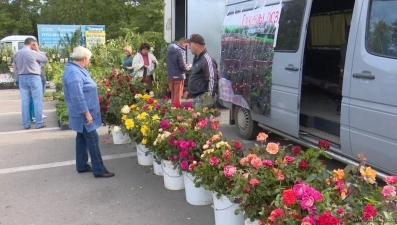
x: 39, y: 184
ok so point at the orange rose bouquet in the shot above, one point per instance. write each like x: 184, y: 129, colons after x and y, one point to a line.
x: 268, y: 170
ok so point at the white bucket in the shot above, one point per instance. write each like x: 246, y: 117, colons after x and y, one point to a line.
x: 143, y: 159
x: 248, y: 222
x: 118, y: 137
x: 194, y: 195
x: 172, y: 179
x: 224, y: 212
x: 157, y: 169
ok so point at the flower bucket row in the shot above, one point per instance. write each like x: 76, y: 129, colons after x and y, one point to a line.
x: 267, y: 184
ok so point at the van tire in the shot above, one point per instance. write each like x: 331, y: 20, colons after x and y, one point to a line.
x: 247, y: 128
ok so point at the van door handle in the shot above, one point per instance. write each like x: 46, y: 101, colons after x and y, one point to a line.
x: 292, y: 68
x: 364, y: 76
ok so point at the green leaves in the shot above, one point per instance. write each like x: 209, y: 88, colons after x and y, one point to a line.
x: 311, y: 177
x: 18, y: 16
x: 22, y: 16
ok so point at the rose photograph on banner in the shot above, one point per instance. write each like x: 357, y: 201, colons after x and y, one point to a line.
x: 248, y: 41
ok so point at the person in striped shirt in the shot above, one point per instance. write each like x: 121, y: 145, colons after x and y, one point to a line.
x: 203, y: 79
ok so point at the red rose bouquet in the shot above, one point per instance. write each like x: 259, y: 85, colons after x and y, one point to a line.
x: 116, y: 91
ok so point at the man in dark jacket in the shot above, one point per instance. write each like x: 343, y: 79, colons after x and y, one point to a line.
x: 177, y: 66
x: 203, y: 79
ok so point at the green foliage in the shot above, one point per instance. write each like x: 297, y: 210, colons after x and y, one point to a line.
x: 61, y: 109
x: 148, y: 16
x: 5, y: 60
x: 111, y: 54
x: 115, y: 91
x: 19, y: 16
x: 160, y: 85
x: 54, y: 72
x: 22, y: 16
x: 48, y: 94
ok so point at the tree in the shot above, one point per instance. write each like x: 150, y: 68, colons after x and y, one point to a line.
x: 149, y: 16
x: 22, y: 16
x: 379, y: 36
x: 394, y: 32
x: 115, y: 14
x: 19, y: 16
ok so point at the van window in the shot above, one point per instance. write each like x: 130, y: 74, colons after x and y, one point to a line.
x: 6, y: 45
x: 290, y: 25
x: 20, y: 45
x: 382, y: 28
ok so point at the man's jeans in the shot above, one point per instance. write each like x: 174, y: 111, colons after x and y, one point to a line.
x: 44, y: 82
x: 31, y: 107
x: 31, y: 101
x: 31, y: 86
x: 90, y: 141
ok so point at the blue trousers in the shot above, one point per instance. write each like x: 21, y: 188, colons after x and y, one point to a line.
x: 90, y: 141
x: 31, y: 87
x: 31, y: 105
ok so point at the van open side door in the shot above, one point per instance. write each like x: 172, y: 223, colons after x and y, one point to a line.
x: 373, y: 84
x: 287, y: 67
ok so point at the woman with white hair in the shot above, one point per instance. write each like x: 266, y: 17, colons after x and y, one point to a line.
x: 81, y: 97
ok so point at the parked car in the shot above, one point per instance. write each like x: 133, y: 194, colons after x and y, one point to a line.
x: 15, y: 42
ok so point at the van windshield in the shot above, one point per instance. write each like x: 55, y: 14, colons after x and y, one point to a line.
x: 382, y: 28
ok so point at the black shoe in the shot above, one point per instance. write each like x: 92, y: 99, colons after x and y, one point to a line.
x: 86, y: 170
x: 106, y: 174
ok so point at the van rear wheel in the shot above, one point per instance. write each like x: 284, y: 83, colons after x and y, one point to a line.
x: 247, y: 128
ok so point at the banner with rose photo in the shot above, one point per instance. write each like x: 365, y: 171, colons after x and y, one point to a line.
x: 247, y: 48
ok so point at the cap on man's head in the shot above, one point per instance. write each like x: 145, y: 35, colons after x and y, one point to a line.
x: 196, y: 38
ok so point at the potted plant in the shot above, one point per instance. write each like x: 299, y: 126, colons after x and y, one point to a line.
x: 268, y: 169
x: 137, y: 122
x: 190, y: 138
x: 114, y: 92
x: 6, y: 78
x: 158, y: 111
x: 160, y: 84
x: 174, y: 122
x: 347, y: 196
x: 219, y: 164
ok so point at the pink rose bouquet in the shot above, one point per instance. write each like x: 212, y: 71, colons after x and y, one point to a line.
x: 218, y: 164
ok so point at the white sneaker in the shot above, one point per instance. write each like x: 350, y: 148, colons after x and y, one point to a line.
x: 44, y: 116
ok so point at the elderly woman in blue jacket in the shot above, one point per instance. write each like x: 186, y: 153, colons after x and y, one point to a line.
x: 81, y: 97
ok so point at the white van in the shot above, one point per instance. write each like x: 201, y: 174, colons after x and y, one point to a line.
x: 14, y: 42
x: 282, y: 69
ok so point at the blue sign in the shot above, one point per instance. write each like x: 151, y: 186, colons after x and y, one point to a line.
x: 50, y: 35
